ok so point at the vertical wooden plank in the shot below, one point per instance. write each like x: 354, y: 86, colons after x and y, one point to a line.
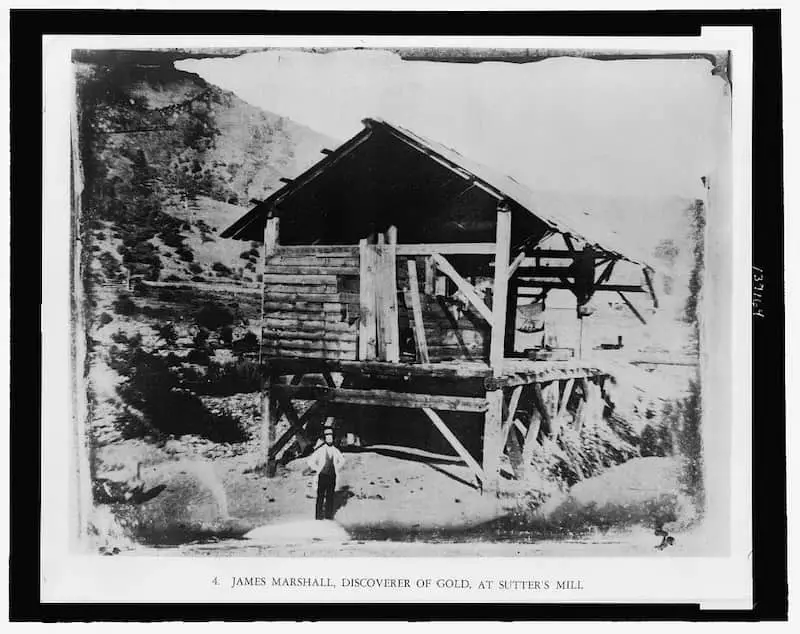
x: 580, y: 413
x: 392, y: 328
x: 367, y: 340
x: 380, y: 321
x: 416, y: 307
x: 649, y: 281
x: 492, y: 438
x: 511, y: 316
x: 565, y: 394
x: 269, y: 416
x: 511, y: 410
x: 542, y: 400
x: 493, y: 419
x: 270, y: 245
x: 430, y: 275
x: 500, y: 289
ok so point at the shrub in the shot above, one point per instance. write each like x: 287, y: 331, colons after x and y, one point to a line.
x: 105, y: 318
x: 226, y: 335
x: 124, y: 305
x: 185, y: 254
x: 248, y: 343
x: 232, y: 378
x: 195, y: 268
x: 167, y: 333
x: 214, y: 316
x: 220, y: 268
x: 198, y: 356
x: 166, y: 407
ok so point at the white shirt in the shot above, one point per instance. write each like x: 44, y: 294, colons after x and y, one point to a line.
x: 317, y: 459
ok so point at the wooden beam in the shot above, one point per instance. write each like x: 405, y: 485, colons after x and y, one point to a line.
x: 465, y: 455
x: 632, y: 307
x: 565, y: 394
x: 271, y: 231
x: 291, y: 270
x: 386, y: 398
x: 320, y: 250
x: 513, y: 403
x: 547, y: 285
x: 291, y: 414
x: 531, y: 440
x: 389, y: 318
x: 649, y: 281
x: 367, y: 327
x: 447, y: 248
x: 269, y: 421
x: 430, y: 276
x: 606, y: 273
x: 465, y: 287
x: 568, y: 241
x: 316, y: 410
x: 512, y: 268
x: 493, y: 438
x: 416, y: 307
x: 560, y: 253
x: 542, y: 404
x: 298, y: 295
x: 500, y: 288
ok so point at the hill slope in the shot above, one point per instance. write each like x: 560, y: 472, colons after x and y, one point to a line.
x: 170, y: 160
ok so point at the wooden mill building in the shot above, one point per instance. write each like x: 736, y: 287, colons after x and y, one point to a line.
x: 393, y: 269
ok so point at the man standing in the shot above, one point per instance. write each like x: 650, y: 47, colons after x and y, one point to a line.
x: 326, y: 462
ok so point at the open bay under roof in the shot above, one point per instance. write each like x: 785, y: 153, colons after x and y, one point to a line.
x: 386, y: 175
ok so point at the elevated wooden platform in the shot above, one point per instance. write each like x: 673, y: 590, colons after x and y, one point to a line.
x: 517, y: 404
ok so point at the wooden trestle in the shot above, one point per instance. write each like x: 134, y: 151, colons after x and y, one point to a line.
x: 333, y: 311
x: 537, y: 400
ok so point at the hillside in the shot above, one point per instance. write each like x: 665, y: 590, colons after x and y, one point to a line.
x: 170, y: 160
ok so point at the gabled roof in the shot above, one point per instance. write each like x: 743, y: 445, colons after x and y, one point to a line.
x: 561, y: 216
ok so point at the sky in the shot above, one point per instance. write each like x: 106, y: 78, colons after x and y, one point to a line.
x: 638, y: 127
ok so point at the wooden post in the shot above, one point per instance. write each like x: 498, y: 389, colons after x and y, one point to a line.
x: 367, y: 330
x: 271, y: 229
x: 416, y: 306
x: 269, y: 416
x: 500, y: 288
x: 511, y: 316
x: 389, y: 277
x: 430, y: 276
x: 543, y: 400
x: 380, y: 339
x: 493, y: 419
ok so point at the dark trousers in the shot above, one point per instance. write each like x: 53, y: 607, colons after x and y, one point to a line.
x: 325, y: 487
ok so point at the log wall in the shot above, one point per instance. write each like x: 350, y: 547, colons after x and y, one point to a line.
x: 311, y: 304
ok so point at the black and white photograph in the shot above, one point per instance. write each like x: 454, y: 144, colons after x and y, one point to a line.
x: 402, y: 300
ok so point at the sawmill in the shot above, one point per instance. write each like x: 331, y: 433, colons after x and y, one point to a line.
x: 393, y: 272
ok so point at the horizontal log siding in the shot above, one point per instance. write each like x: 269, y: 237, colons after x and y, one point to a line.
x: 310, y: 310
